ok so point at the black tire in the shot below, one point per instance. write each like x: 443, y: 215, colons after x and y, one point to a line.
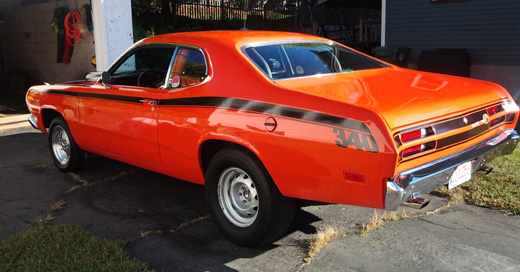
x: 256, y: 213
x: 65, y: 153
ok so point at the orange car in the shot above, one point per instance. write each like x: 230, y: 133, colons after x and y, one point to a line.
x: 263, y: 118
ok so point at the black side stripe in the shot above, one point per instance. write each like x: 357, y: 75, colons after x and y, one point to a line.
x: 121, y: 98
x: 261, y: 107
x: 237, y: 104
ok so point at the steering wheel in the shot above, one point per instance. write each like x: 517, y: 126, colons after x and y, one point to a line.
x: 151, y: 79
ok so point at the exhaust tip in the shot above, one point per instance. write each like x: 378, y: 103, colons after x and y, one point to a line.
x: 417, y: 203
x: 484, y: 170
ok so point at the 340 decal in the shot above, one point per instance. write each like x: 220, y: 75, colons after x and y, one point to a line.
x: 361, y: 141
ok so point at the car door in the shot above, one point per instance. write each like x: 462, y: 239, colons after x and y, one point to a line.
x: 120, y: 120
x: 182, y: 119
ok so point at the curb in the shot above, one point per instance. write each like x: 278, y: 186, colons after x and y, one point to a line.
x: 13, y: 121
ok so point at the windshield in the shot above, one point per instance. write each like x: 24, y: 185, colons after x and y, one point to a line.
x: 289, y: 60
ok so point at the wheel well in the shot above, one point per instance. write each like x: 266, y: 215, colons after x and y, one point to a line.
x: 211, y: 147
x: 48, y: 115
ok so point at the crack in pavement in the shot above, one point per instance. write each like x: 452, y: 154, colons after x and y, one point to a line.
x: 181, y: 226
x: 489, y: 233
x: 435, y: 224
x: 467, y: 228
x: 83, y: 183
x: 60, y: 203
x: 513, y: 226
x: 190, y: 222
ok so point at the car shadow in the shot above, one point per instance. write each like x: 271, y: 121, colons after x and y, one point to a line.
x: 165, y: 221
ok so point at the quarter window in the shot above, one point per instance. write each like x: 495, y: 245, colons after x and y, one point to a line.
x: 189, y: 68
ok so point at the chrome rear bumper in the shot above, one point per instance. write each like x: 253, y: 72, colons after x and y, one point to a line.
x: 412, y: 183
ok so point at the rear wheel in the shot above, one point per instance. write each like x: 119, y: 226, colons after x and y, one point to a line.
x: 245, y: 203
x: 65, y: 153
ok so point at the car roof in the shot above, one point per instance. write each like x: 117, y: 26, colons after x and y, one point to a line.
x: 230, y: 37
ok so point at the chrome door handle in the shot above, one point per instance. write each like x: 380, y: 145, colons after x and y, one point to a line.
x: 148, y: 101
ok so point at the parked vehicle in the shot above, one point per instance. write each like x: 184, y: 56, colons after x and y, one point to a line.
x: 263, y: 118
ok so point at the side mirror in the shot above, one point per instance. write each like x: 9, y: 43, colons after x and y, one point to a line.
x: 106, y: 78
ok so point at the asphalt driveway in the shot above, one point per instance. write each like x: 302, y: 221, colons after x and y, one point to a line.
x: 167, y: 224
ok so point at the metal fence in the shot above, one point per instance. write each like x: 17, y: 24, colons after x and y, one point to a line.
x: 217, y: 10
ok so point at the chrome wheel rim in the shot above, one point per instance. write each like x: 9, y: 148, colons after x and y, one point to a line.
x: 60, y: 145
x: 238, y: 197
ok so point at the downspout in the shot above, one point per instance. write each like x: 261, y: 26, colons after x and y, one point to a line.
x: 383, y: 22
x: 113, y: 32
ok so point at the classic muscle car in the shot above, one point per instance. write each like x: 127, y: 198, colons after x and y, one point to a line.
x: 264, y: 118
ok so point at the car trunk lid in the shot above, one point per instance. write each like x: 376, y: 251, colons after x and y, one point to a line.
x: 401, y: 97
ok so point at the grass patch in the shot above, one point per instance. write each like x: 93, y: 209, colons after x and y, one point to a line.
x: 64, y: 248
x: 320, y: 240
x: 499, y: 190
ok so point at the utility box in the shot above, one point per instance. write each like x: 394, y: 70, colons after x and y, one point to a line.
x: 396, y: 55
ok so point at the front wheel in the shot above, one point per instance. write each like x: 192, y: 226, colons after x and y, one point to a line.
x: 245, y: 203
x: 65, y: 153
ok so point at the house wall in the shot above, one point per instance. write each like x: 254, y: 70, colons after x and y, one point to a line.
x: 31, y: 45
x: 489, y: 30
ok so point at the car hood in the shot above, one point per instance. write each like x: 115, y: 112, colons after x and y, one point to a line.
x: 401, y: 97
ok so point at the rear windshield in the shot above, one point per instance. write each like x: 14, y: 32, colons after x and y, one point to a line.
x: 289, y: 60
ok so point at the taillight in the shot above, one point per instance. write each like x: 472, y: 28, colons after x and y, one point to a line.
x: 414, y: 135
x: 497, y: 121
x: 412, y: 151
x: 512, y: 109
x: 510, y: 117
x: 494, y: 110
x: 416, y: 149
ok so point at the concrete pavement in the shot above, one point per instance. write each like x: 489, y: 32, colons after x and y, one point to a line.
x: 167, y: 224
x: 13, y: 121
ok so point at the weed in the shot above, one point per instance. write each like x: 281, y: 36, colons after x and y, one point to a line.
x: 378, y: 220
x: 320, y: 240
x: 375, y: 222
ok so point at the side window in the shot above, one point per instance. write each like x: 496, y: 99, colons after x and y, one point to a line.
x: 144, y: 67
x: 189, y: 68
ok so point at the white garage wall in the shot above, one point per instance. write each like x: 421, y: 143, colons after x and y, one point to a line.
x: 31, y: 46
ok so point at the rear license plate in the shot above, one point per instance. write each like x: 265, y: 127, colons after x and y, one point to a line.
x: 461, y: 175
